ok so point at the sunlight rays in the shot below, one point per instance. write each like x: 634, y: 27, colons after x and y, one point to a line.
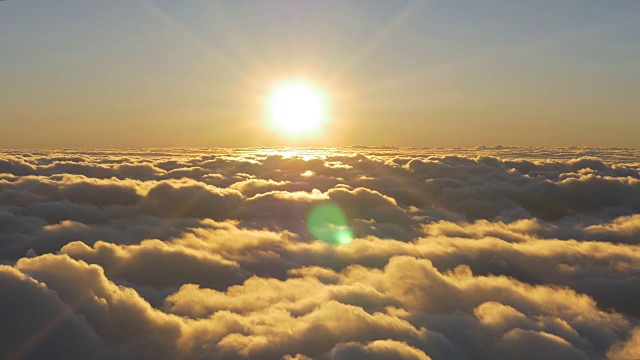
x: 378, y: 38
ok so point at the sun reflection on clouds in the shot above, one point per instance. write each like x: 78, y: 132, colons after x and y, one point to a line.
x: 301, y: 152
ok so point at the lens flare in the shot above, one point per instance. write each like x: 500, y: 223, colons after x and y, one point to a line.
x: 327, y: 222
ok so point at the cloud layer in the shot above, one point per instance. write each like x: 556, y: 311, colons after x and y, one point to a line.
x: 485, y: 253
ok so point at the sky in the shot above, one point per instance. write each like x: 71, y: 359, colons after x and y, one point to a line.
x: 404, y: 73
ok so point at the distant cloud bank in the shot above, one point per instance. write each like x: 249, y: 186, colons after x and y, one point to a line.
x: 488, y: 253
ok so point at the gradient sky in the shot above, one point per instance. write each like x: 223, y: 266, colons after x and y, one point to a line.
x: 408, y: 73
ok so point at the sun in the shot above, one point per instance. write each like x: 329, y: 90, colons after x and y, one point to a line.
x: 297, y: 107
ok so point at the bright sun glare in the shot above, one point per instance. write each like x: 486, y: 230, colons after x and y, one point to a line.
x: 297, y: 107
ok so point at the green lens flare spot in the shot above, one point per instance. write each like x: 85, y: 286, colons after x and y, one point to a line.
x: 328, y: 223
x: 345, y: 237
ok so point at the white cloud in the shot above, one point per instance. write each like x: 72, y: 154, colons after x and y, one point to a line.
x: 485, y: 253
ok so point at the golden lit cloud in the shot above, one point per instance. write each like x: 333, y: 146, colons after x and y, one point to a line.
x: 352, y: 253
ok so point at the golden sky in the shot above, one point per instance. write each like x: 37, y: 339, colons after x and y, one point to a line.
x: 405, y: 73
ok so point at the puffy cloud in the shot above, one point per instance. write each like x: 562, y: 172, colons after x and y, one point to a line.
x: 158, y: 264
x: 37, y: 324
x: 378, y: 350
x: 175, y: 200
x: 529, y: 344
x: 626, y: 349
x: 118, y: 315
x: 490, y: 253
